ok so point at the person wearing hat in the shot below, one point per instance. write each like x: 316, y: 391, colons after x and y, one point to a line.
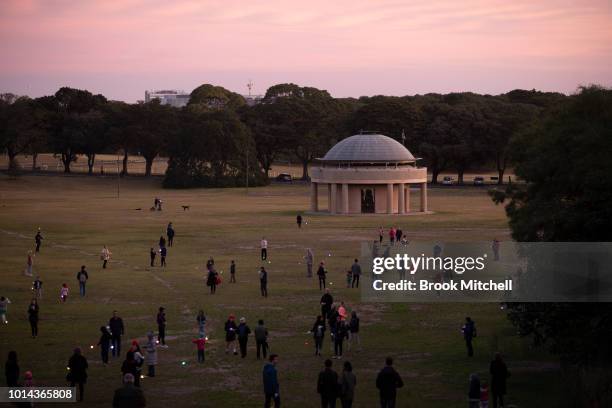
x: 230, y: 334
x: 243, y: 336
x: 77, y: 371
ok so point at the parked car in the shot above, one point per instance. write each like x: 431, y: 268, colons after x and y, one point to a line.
x: 447, y: 181
x: 285, y: 177
x: 478, y: 181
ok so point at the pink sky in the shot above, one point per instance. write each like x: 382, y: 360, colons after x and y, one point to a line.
x: 351, y: 48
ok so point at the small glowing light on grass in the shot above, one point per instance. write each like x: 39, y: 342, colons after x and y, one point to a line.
x: 112, y: 347
x: 183, y: 363
x: 156, y: 341
x: 141, y: 376
x: 329, y: 254
x: 269, y: 262
x: 68, y: 368
x: 306, y: 343
x: 91, y: 346
x: 331, y: 283
x: 206, y: 338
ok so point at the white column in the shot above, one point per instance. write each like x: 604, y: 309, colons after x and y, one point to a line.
x: 345, y: 198
x: 407, y: 201
x: 424, y: 197
x: 401, y: 207
x: 333, y: 204
x: 390, y: 198
x: 314, y: 197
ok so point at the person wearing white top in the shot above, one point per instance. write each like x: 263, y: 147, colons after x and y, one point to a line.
x: 264, y: 249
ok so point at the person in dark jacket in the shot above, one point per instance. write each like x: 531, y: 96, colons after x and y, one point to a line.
x: 117, y: 330
x: 326, y: 303
x: 499, y: 374
x: 38, y: 240
x: 243, y: 336
x: 153, y: 254
x: 270, y: 383
x: 469, y: 332
x: 211, y: 279
x: 161, y: 327
x: 321, y: 272
x: 77, y: 371
x: 232, y: 271
x: 387, y: 382
x: 263, y: 281
x: 356, y: 272
x: 230, y: 334
x: 474, y: 391
x: 299, y: 220
x: 327, y: 386
x: 318, y: 332
x: 104, y: 343
x: 354, y: 338
x: 129, y: 396
x: 261, y: 339
x: 162, y: 254
x: 340, y: 333
x: 162, y: 242
x: 82, y: 277
x: 11, y: 370
x: 130, y: 366
x: 348, y: 382
x: 170, y: 234
x: 33, y: 317
x: 398, y: 235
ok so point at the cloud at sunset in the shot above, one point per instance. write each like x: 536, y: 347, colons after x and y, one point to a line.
x: 351, y: 48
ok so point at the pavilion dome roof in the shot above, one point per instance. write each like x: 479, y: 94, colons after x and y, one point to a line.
x: 369, y: 148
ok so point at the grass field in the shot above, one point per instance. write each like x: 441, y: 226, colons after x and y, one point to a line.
x: 78, y: 215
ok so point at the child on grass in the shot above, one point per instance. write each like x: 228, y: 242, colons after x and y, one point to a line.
x: 4, y: 302
x: 200, y: 344
x: 64, y: 293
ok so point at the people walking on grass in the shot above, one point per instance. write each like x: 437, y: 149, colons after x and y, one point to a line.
x: 129, y: 366
x: 299, y: 220
x: 263, y: 281
x: 499, y: 375
x: 332, y: 321
x: 309, y: 258
x: 104, y: 343
x: 381, y: 233
x: 387, y: 382
x: 11, y: 370
x: 117, y: 330
x: 161, y: 326
x: 318, y: 333
x: 232, y: 271
x: 4, y: 302
x: 321, y: 272
x: 200, y: 343
x: 33, y: 311
x: 341, y: 333
x: 105, y: 256
x: 82, y: 277
x: 327, y: 386
x: 356, y: 272
x: 170, y: 234
x: 162, y: 242
x: 264, y: 248
x: 139, y: 358
x: 398, y: 235
x: 392, y: 235
x: 243, y: 336
x: 38, y: 240
x: 201, y: 319
x: 64, y: 290
x: 270, y: 383
x: 353, y: 327
x: 37, y: 287
x: 151, y: 356
x: 474, y: 391
x: 211, y: 280
x: 29, y: 264
x: 152, y: 255
x: 230, y: 334
x: 261, y: 339
x: 348, y: 382
x: 469, y: 332
x: 327, y: 301
x: 77, y: 372
x: 162, y: 253
x: 128, y: 395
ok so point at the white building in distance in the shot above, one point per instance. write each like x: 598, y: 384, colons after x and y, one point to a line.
x: 171, y: 97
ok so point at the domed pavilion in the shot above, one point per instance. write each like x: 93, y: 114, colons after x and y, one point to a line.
x: 368, y: 174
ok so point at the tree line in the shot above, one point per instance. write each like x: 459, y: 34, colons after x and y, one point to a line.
x: 217, y: 136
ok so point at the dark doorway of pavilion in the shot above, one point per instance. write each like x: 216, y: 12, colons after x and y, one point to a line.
x: 367, y: 200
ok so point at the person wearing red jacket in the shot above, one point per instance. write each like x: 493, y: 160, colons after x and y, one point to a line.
x: 201, y: 345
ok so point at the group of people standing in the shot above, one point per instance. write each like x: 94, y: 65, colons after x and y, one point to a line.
x: 396, y: 235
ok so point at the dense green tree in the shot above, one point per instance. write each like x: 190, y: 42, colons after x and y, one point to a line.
x: 208, y: 97
x: 21, y: 126
x: 565, y: 163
